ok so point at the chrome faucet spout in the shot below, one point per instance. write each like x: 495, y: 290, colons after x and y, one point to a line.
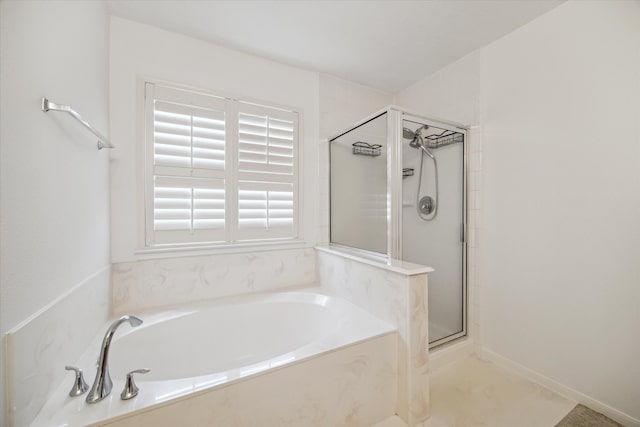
x: 102, y: 385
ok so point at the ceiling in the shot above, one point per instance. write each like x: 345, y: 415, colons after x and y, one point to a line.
x: 387, y: 45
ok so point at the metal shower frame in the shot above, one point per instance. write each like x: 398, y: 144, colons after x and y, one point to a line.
x: 395, y: 117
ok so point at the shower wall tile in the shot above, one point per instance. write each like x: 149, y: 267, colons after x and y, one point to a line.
x: 476, y: 161
x: 472, y: 200
x: 471, y: 238
x: 476, y: 180
x: 400, y: 300
x: 477, y: 201
x: 323, y: 235
x: 472, y: 298
x: 38, y: 349
x: 352, y: 386
x: 323, y: 193
x: 160, y: 282
x: 474, y: 212
x: 475, y: 139
x: 323, y: 158
x: 324, y: 217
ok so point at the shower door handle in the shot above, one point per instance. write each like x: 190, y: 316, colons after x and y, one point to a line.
x: 463, y: 232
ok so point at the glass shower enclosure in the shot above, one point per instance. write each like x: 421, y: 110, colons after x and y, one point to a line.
x: 398, y: 191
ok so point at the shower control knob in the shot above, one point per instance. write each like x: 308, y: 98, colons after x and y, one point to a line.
x: 427, y: 205
x: 130, y: 388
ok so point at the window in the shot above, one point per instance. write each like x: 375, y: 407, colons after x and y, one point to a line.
x: 218, y: 170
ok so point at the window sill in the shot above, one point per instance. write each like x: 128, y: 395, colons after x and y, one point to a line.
x: 236, y: 248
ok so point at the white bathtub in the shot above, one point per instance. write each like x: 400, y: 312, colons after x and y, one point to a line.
x: 195, y: 348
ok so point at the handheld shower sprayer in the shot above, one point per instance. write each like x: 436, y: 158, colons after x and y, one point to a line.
x: 416, y: 139
x: 408, y: 133
x: 426, y: 205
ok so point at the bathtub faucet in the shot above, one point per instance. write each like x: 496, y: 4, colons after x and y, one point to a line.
x: 102, y: 385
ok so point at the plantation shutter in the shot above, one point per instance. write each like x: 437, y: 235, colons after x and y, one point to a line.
x: 217, y: 170
x: 187, y: 154
x: 267, y: 172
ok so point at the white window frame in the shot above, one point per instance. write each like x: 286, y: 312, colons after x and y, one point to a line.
x: 234, y: 238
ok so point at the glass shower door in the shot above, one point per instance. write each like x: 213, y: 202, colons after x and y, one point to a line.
x: 432, y: 220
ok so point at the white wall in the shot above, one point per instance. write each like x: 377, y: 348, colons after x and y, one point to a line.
x: 562, y: 199
x: 139, y: 50
x: 54, y: 185
x: 343, y: 103
x: 451, y: 94
x: 560, y: 242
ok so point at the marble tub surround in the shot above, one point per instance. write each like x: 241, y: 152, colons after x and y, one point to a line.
x: 354, y: 386
x: 399, y: 297
x: 398, y: 266
x: 416, y: 338
x: 160, y: 282
x: 38, y: 349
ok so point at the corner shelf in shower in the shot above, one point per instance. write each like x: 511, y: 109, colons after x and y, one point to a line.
x: 443, y: 139
x: 365, y: 149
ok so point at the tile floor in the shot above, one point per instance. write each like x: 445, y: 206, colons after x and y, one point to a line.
x: 475, y: 393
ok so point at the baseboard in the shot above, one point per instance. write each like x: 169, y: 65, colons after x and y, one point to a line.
x: 557, y: 387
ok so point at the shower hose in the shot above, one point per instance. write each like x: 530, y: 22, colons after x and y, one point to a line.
x: 435, y: 169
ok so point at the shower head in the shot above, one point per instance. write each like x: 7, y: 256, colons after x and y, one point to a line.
x: 415, y: 137
x: 408, y: 133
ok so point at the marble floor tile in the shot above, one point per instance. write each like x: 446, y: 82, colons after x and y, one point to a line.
x: 475, y: 393
x: 394, y: 421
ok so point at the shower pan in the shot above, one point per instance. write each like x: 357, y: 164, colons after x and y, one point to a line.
x: 398, y: 191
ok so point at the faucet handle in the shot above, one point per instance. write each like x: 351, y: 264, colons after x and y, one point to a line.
x: 79, y: 385
x: 130, y: 388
